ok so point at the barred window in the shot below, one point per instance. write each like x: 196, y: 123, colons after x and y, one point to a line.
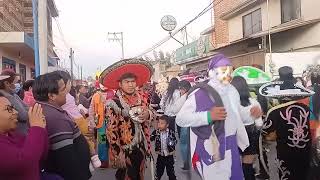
x: 290, y: 10
x: 252, y: 23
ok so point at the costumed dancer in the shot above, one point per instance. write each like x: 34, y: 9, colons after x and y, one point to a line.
x: 97, y: 121
x: 288, y: 123
x: 129, y: 117
x: 217, y: 130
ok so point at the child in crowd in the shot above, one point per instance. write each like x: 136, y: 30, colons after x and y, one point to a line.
x: 165, y: 142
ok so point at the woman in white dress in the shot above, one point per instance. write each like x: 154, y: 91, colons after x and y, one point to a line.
x: 251, y: 123
x: 168, y: 100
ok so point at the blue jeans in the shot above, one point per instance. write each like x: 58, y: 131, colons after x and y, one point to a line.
x: 184, y: 144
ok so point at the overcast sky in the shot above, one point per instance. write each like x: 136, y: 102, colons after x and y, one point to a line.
x: 85, y: 25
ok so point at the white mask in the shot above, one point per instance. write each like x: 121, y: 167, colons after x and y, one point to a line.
x: 223, y: 74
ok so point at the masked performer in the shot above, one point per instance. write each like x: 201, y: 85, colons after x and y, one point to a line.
x: 129, y: 117
x: 288, y: 124
x: 216, y: 131
x: 97, y: 121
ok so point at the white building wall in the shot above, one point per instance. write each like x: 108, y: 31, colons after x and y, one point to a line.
x: 309, y: 11
x: 305, y: 38
x: 236, y: 25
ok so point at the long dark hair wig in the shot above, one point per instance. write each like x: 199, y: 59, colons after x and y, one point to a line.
x: 173, y: 85
x: 242, y: 87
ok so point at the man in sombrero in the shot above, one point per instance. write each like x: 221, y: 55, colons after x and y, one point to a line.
x: 129, y: 117
x: 288, y: 124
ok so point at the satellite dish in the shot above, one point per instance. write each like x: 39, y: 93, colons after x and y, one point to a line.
x: 168, y: 23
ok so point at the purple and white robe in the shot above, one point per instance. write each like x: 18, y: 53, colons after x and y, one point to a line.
x: 194, y: 114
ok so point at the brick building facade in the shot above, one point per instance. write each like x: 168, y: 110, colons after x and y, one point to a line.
x: 16, y: 36
x: 221, y: 33
x: 11, y: 15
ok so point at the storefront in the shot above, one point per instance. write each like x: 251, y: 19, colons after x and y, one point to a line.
x: 195, y: 56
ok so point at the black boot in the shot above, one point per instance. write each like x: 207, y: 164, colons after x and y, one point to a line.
x: 248, y: 171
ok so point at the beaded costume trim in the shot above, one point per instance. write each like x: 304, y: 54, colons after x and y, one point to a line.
x: 304, y: 91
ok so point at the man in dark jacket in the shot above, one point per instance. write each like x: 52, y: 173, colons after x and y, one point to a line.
x: 69, y: 154
x: 165, y: 142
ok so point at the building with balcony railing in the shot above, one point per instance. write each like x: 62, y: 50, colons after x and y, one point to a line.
x: 16, y: 36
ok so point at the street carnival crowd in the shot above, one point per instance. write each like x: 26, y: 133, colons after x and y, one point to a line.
x: 223, y: 124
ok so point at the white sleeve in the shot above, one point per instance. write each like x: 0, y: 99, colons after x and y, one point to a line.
x: 188, y: 117
x: 242, y: 135
x: 176, y: 107
x: 258, y: 121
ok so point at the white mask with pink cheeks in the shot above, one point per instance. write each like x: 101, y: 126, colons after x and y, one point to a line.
x: 222, y: 74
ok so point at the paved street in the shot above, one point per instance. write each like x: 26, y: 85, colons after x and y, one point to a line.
x: 188, y: 175
x: 181, y: 175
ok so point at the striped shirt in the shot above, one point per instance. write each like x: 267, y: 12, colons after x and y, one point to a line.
x: 62, y: 131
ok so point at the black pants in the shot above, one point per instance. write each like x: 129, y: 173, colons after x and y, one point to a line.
x: 135, y: 170
x: 172, y: 123
x: 168, y: 163
x: 294, y: 166
x: 179, y: 131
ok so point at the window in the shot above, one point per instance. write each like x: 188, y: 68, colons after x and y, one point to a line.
x: 290, y: 10
x: 22, y: 72
x: 8, y: 64
x: 33, y: 73
x: 252, y: 23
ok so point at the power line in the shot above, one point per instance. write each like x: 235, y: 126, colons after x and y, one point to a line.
x: 63, y: 39
x: 164, y: 40
x: 61, y: 32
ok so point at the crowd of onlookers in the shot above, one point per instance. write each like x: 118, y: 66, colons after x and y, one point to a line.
x: 45, y: 132
x: 39, y: 136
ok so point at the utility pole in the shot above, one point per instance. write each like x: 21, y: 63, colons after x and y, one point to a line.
x: 35, y: 37
x: 81, y: 74
x: 78, y: 70
x: 43, y: 36
x: 271, y: 64
x: 71, y: 56
x: 118, y: 39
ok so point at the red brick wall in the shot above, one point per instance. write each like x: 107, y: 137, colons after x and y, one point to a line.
x: 221, y: 34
